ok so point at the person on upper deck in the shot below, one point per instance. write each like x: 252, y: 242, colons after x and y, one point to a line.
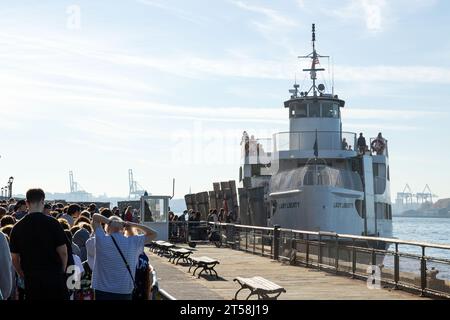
x: 362, y: 146
x: 245, y: 141
x: 344, y: 144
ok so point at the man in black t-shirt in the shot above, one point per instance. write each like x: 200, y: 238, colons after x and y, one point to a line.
x: 39, y: 251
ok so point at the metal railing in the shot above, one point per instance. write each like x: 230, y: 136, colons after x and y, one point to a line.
x: 187, y: 231
x: 305, y: 140
x: 161, y: 294
x: 256, y: 151
x: 412, y: 265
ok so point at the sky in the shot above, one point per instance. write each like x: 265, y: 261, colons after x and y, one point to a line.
x: 166, y: 87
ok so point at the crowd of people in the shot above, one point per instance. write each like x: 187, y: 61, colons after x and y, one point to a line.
x: 61, y: 252
x: 178, y: 224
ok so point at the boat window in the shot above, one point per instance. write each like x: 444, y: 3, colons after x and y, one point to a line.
x: 301, y: 111
x: 379, y: 170
x: 330, y: 110
x: 359, y: 207
x: 383, y: 211
x: 379, y: 210
x: 314, y: 110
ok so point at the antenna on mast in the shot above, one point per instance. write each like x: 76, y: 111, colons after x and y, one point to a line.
x: 315, y: 61
x: 295, y: 90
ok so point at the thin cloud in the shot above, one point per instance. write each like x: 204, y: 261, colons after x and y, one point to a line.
x: 375, y: 14
x: 190, y: 65
x: 274, y: 26
x: 273, y: 16
x: 176, y: 11
x: 372, y: 12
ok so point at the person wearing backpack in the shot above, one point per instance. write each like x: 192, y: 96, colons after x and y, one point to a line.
x: 116, y: 256
x: 142, y: 276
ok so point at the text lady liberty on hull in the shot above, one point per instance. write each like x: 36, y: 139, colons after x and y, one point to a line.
x: 317, y: 177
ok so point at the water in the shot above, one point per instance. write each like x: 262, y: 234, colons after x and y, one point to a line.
x: 435, y: 230
x: 430, y: 230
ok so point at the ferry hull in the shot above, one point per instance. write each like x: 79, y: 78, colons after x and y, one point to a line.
x: 318, y: 208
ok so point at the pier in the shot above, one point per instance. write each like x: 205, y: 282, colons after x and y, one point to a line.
x: 300, y: 283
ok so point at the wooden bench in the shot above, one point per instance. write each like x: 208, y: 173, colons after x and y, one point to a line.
x: 162, y: 247
x: 153, y: 245
x: 178, y: 254
x: 263, y: 288
x: 206, y: 263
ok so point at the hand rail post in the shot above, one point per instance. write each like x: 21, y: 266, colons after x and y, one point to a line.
x: 187, y: 232
x: 254, y: 241
x: 374, y: 258
x: 319, y: 258
x: 353, y: 259
x: 396, y: 267
x: 276, y: 242
x: 307, y: 250
x: 336, y: 259
x: 262, y: 243
x: 246, y: 239
x: 238, y: 237
x: 423, y: 272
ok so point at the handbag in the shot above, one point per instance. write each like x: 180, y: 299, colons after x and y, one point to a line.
x: 85, y: 292
x: 126, y: 264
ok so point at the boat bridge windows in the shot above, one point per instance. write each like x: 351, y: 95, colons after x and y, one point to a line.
x: 381, y: 176
x: 319, y: 109
x: 305, y: 140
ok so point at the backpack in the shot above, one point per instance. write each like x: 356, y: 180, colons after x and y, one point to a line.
x: 142, y: 278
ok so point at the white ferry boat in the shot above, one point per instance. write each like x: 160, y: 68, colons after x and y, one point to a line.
x: 316, y: 177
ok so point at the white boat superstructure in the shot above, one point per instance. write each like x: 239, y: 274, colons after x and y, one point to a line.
x: 316, y: 178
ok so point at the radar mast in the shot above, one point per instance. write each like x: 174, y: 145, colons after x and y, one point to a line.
x: 314, y: 56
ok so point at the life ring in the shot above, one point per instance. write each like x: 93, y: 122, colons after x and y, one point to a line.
x: 378, y: 145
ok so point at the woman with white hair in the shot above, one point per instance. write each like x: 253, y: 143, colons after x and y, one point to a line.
x: 6, y: 276
x: 115, y: 256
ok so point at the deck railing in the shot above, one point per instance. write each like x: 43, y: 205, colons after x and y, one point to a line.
x: 410, y: 265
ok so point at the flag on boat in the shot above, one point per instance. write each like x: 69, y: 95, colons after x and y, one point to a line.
x: 316, y: 147
x: 316, y: 60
